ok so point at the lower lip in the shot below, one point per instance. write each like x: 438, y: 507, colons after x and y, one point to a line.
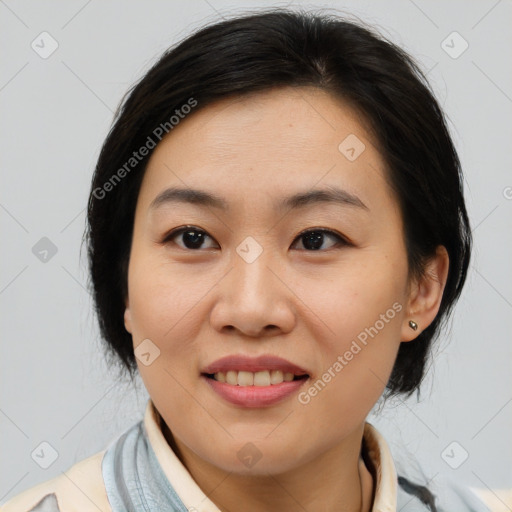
x: 255, y: 396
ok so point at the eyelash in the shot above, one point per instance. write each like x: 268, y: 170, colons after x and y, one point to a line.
x: 341, y: 241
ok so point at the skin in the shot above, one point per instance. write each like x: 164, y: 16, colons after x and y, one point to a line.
x: 307, y: 306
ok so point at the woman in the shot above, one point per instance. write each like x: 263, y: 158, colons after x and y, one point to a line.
x: 277, y: 231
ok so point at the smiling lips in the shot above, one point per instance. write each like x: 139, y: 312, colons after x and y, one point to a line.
x: 254, y: 382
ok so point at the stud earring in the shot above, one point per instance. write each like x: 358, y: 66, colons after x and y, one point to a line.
x: 413, y: 325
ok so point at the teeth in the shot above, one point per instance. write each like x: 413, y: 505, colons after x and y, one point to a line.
x: 263, y: 378
x: 232, y: 378
x: 245, y: 378
x: 221, y: 377
x: 276, y: 377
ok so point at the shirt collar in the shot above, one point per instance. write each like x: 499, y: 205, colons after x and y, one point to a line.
x: 379, y: 454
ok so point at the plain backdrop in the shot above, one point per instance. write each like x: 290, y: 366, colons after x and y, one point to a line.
x: 55, y: 112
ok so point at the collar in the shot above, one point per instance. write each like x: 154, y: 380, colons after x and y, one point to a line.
x: 378, y: 460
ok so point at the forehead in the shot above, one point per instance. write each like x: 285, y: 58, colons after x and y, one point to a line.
x: 268, y: 144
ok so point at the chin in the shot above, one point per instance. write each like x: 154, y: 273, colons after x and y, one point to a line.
x: 254, y: 458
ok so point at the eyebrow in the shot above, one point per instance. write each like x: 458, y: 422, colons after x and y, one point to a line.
x: 299, y: 200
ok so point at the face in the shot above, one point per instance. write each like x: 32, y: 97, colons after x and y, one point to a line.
x: 315, y: 287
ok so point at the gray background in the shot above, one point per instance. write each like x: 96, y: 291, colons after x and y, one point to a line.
x: 55, y: 113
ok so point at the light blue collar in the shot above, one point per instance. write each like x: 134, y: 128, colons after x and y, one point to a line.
x: 134, y: 479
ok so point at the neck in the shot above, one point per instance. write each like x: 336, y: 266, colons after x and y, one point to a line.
x: 337, y: 480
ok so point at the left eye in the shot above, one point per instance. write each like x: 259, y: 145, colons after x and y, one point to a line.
x: 312, y: 240
x: 315, y: 238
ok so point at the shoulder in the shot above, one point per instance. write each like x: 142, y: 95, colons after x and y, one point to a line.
x: 440, y: 494
x: 79, y: 489
x: 413, y: 490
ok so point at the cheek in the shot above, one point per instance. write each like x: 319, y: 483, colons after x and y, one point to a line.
x: 163, y: 298
x: 167, y: 307
x: 368, y: 291
x: 164, y: 306
x: 356, y: 365
x: 363, y: 311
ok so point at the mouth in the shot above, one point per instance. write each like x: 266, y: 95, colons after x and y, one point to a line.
x: 254, y: 382
x: 265, y: 370
x: 259, y: 378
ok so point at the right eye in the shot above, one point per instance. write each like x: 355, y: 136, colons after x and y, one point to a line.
x: 191, y: 236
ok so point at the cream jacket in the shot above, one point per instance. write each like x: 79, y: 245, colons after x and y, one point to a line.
x: 82, y: 487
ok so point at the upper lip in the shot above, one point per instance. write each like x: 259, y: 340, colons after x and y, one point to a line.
x: 253, y: 364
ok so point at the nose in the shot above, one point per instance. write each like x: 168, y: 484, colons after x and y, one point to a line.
x: 254, y: 299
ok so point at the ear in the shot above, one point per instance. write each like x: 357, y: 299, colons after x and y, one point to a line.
x: 425, y: 295
x: 128, y: 317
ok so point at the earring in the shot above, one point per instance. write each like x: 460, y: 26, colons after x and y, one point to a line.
x: 413, y: 325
